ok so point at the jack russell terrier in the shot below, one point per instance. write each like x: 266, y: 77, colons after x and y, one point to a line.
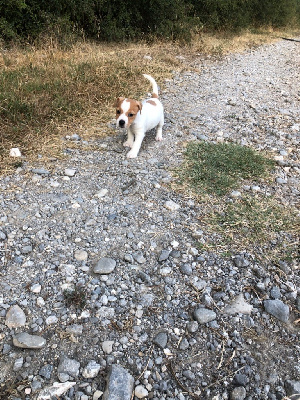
x: 139, y: 117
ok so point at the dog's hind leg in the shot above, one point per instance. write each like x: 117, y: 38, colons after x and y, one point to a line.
x: 159, y: 129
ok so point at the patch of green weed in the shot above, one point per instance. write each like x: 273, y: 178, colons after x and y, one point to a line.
x: 217, y: 168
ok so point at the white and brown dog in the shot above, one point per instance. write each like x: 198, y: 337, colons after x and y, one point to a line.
x: 139, y: 117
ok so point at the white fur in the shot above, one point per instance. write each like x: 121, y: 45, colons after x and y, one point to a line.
x: 149, y: 117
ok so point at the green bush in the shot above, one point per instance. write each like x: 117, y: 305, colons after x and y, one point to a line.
x: 122, y: 20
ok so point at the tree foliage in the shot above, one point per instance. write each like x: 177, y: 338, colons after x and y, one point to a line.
x: 121, y: 20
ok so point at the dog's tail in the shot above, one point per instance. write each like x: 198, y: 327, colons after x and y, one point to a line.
x: 154, y: 85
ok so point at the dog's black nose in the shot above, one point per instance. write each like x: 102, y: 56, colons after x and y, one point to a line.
x: 122, y: 123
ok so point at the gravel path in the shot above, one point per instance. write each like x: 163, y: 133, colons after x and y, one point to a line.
x: 161, y: 319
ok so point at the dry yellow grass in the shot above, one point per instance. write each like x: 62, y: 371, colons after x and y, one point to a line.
x: 55, y: 92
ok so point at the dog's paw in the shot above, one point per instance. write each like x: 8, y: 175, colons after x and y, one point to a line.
x: 159, y: 138
x: 131, y: 154
x: 128, y: 144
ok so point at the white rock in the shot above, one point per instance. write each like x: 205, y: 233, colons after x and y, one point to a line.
x: 40, y: 301
x: 91, y: 370
x: 171, y: 205
x: 81, y: 255
x: 15, y: 317
x: 141, y: 392
x: 51, y: 320
x: 107, y: 346
x: 97, y: 395
x: 15, y: 152
x: 238, y: 306
x: 70, y: 172
x: 56, y: 390
x: 36, y: 288
x: 101, y: 193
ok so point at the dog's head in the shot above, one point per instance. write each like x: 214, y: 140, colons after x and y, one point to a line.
x: 126, y: 111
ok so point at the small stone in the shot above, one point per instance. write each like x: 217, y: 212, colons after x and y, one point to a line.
x: 189, y: 375
x: 105, y: 266
x: 164, y: 255
x: 46, y: 371
x: 238, y: 393
x: 171, y: 205
x: 26, y: 249
x: 36, y: 288
x: 139, y: 258
x: 240, y: 380
x: 238, y: 305
x: 101, y: 193
x: 161, y: 340
x: 107, y: 346
x: 140, y: 392
x: 278, y: 309
x: 292, y: 388
x: 15, y: 152
x: 281, y: 181
x: 204, y: 315
x: 18, y: 364
x: 40, y: 171
x: 52, y: 319
x: 275, y: 292
x: 186, y: 269
x: 15, y: 317
x: 70, y: 172
x: 91, y: 370
x: 240, y: 261
x: 26, y: 341
x: 192, y: 326
x: 184, y: 344
x: 55, y: 391
x: 235, y: 194
x: 68, y: 366
x: 81, y: 255
x: 97, y: 394
x: 119, y: 384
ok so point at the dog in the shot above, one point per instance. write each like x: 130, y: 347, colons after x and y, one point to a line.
x: 139, y: 117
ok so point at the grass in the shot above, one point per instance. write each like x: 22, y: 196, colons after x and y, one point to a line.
x: 217, y: 168
x: 45, y: 93
x: 254, y: 221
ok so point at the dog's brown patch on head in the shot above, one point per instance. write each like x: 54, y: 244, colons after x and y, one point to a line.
x: 154, y: 96
x: 117, y: 105
x: 134, y: 108
x: 151, y: 102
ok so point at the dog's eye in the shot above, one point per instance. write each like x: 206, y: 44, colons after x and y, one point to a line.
x: 130, y: 115
x: 118, y: 112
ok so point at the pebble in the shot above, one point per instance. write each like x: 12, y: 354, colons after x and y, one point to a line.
x: 171, y: 205
x: 204, y: 315
x: 107, y: 346
x: 56, y: 390
x: 105, y: 265
x: 91, y: 370
x: 27, y: 341
x: 15, y: 317
x: 238, y: 305
x: 81, y: 255
x: 140, y: 392
x: 238, y: 393
x: 278, y: 309
x: 68, y: 366
x: 40, y: 171
x: 69, y: 172
x: 161, y: 340
x: 119, y: 384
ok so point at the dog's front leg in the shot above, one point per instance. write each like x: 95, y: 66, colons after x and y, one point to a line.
x: 139, y: 136
x: 130, y: 139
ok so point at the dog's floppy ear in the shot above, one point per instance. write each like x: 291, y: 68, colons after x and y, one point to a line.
x: 140, y: 106
x: 119, y: 101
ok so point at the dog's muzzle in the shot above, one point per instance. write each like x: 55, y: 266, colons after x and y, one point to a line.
x: 122, y: 123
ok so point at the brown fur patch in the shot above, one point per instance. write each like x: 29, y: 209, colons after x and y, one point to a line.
x: 151, y: 102
x: 135, y: 107
x: 154, y: 96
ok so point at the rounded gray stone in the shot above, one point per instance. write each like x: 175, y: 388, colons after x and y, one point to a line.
x: 68, y: 366
x: 278, y: 309
x: 238, y: 393
x: 15, y: 317
x: 105, y: 266
x: 119, y: 384
x: 204, y: 315
x: 26, y: 341
x: 161, y: 340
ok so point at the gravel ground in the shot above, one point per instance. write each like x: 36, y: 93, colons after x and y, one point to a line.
x: 162, y: 319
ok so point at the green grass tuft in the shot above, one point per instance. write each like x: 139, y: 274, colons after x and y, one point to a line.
x: 217, y: 168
